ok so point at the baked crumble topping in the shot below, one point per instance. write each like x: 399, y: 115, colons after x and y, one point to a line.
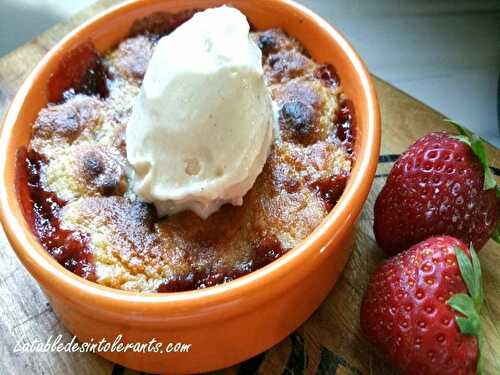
x: 74, y: 180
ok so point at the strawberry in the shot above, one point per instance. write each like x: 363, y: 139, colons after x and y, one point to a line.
x: 441, y: 185
x: 422, y: 309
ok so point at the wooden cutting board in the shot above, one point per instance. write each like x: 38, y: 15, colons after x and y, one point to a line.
x: 330, y: 342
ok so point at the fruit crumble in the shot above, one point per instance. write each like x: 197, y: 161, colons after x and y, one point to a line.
x: 74, y: 178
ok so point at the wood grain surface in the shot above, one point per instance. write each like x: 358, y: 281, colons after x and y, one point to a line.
x: 328, y: 343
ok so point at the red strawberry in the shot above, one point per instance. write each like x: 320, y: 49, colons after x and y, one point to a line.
x: 417, y: 312
x: 441, y: 185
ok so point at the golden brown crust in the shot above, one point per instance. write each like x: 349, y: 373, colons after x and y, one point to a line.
x: 101, y: 171
x: 83, y: 141
x: 286, y: 65
x: 131, y: 58
x: 275, y: 40
x: 67, y: 120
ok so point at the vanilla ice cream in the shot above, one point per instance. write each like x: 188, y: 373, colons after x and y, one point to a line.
x: 201, y: 128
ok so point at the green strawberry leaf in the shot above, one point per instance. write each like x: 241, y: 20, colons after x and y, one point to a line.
x: 470, y: 325
x: 469, y: 305
x: 463, y: 131
x: 462, y: 303
x: 489, y: 179
x: 468, y: 274
x: 496, y: 233
x: 477, y: 146
x: 462, y: 138
x: 478, y: 279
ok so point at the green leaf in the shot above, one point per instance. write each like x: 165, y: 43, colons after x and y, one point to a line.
x: 462, y: 138
x: 480, y: 362
x: 463, y: 131
x: 478, y: 279
x: 490, y: 181
x: 469, y: 326
x: 477, y: 146
x: 462, y: 303
x: 470, y: 323
x: 496, y: 233
x: 467, y: 272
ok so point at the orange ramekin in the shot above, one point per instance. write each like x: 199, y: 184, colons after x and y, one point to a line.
x: 225, y: 324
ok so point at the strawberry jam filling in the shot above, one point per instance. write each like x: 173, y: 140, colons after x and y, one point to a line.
x: 345, y: 122
x: 80, y: 71
x: 265, y: 251
x: 42, y: 209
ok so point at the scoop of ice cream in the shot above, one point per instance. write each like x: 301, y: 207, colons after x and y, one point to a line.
x: 201, y: 128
